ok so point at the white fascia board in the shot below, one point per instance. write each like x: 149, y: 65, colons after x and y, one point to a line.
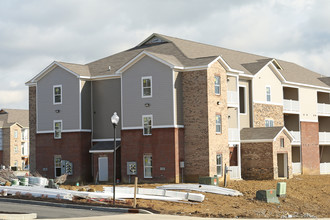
x: 64, y: 131
x: 106, y: 139
x: 268, y: 103
x: 50, y: 67
x: 139, y: 57
x: 229, y: 69
x: 286, y: 132
x: 287, y: 83
x: 257, y: 141
x: 274, y: 69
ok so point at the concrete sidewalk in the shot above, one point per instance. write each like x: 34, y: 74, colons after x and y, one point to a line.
x: 160, y: 217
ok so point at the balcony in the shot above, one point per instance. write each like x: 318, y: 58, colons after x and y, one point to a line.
x: 296, y: 136
x: 233, y: 134
x: 290, y: 105
x: 324, y: 137
x: 232, y: 98
x: 323, y: 108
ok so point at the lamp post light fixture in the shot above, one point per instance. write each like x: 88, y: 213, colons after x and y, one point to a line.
x: 114, y: 121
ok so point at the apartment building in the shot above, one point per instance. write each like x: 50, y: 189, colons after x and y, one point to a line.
x: 14, y: 141
x: 186, y: 109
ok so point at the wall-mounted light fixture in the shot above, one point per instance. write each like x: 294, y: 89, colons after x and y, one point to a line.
x: 57, y: 111
x: 147, y: 104
x: 218, y: 102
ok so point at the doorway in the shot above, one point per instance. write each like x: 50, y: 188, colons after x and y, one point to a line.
x: 282, y: 165
x: 103, y: 169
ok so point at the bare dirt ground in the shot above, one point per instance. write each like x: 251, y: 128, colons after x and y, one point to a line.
x: 307, y: 196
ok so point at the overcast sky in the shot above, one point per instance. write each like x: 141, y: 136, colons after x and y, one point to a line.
x: 34, y: 33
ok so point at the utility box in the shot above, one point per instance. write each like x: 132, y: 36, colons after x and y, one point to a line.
x: 207, y: 180
x: 268, y: 196
x: 281, y: 189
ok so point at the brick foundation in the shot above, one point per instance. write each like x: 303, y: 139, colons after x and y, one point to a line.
x: 73, y: 147
x: 110, y: 164
x: 166, y: 147
x: 310, y: 157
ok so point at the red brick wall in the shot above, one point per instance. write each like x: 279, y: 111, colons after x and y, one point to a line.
x: 110, y: 164
x: 73, y: 147
x: 310, y: 158
x: 166, y: 147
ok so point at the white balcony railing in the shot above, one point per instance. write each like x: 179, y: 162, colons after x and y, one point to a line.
x: 323, y: 108
x: 233, y: 134
x: 324, y: 168
x: 324, y: 137
x: 296, y: 136
x: 232, y: 97
x: 290, y: 105
x: 296, y: 168
x: 234, y: 172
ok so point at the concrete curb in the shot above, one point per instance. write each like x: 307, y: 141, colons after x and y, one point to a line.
x: 75, y: 206
x: 27, y: 216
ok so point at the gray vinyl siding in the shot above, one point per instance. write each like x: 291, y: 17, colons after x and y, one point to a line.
x: 106, y: 101
x: 69, y: 109
x: 178, y: 98
x: 161, y: 102
x: 86, y: 105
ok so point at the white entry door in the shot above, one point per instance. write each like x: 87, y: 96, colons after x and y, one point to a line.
x: 103, y: 169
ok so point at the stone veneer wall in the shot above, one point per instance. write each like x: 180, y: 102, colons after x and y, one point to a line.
x: 32, y: 128
x: 195, y: 117
x: 261, y: 112
x: 217, y: 104
x: 310, y: 155
x: 6, y: 146
x: 287, y: 149
x: 257, y: 161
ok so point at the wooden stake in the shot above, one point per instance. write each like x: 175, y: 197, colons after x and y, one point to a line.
x: 135, y: 190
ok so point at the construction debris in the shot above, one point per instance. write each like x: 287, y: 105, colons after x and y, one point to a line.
x: 202, y: 188
x: 7, y: 175
x: 155, y: 194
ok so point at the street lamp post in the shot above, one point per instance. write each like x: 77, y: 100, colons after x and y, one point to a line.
x: 114, y: 121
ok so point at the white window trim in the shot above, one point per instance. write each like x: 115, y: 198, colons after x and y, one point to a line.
x: 1, y: 140
x: 216, y: 124
x: 152, y: 123
x: 269, y: 120
x: 55, y: 121
x: 146, y: 77
x: 217, y: 85
x: 57, y: 103
x: 221, y: 165
x: 144, y: 166
x: 245, y: 99
x: 270, y: 93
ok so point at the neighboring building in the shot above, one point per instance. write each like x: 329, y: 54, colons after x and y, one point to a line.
x: 179, y: 101
x: 14, y: 141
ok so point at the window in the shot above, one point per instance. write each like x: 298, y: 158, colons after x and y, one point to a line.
x: 242, y: 100
x: 269, y: 123
x: 147, y: 163
x: 282, y: 142
x: 15, y: 149
x: 147, y: 124
x: 57, y: 129
x: 15, y: 133
x: 217, y: 85
x: 218, y: 124
x: 146, y: 87
x: 0, y: 138
x: 57, y: 94
x: 268, y: 94
x: 57, y: 163
x: 219, y: 164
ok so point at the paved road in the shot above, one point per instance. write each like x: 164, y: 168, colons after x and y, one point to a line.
x: 49, y: 212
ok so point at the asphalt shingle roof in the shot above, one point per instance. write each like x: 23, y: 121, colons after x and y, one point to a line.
x: 263, y: 133
x: 8, y: 117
